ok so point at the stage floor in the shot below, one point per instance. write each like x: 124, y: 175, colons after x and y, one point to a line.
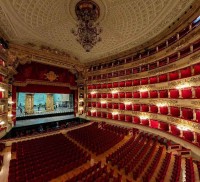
x: 29, y: 122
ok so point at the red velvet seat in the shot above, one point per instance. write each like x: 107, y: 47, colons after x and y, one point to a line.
x: 128, y: 118
x: 115, y: 95
x: 98, y: 105
x: 109, y: 115
x: 188, y: 135
x: 175, y: 130
x: 153, y: 123
x: 98, y: 86
x: 164, y: 126
x: 136, y: 107
x: 186, y: 72
x: 173, y: 75
x: 103, y: 105
x: 197, y: 92
x: 136, y: 82
x: 174, y: 93
x: 128, y: 83
x: 128, y: 71
x: 163, y: 78
x: 163, y: 110
x: 128, y: 107
x: 196, y: 69
x: 94, y: 95
x: 109, y: 95
x: 98, y: 95
x: 115, y: 84
x: 104, y: 85
x: 89, y: 96
x: 122, y: 84
x: 89, y: 104
x: 88, y: 113
x: 186, y: 93
x: 163, y: 93
x: 144, y: 81
x: 145, y: 122
x: 93, y: 104
x: 187, y: 113
x: 103, y: 95
x: 128, y: 94
x: 153, y: 80
x: 121, y: 94
x: 98, y: 114
x: 122, y: 106
x: 175, y: 111
x: 121, y: 117
x: 115, y: 117
x: 153, y: 109
x: 104, y: 114
x: 109, y: 105
x: 136, y: 94
x: 115, y: 106
x: 144, y: 94
x: 153, y: 94
x: 144, y: 108
x: 109, y: 85
x: 136, y: 119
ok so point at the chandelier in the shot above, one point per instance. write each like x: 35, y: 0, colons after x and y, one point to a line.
x: 88, y: 30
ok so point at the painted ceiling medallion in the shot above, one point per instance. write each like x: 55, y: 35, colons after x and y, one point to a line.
x: 88, y: 30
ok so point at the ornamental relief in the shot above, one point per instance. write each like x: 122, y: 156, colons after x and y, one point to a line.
x: 167, y: 119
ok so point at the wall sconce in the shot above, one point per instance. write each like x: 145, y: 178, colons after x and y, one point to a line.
x: 161, y: 104
x: 183, y: 128
x: 103, y: 102
x: 93, y: 92
x: 114, y: 91
x: 10, y: 102
x: 127, y: 103
x: 2, y: 122
x: 93, y: 110
x: 185, y: 85
x: 10, y: 115
x: 115, y: 113
x: 2, y: 89
x: 143, y: 117
x: 143, y: 90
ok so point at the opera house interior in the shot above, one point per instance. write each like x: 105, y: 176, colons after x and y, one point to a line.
x: 100, y: 90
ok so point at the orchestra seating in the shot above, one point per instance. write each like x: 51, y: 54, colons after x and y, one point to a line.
x: 44, y: 158
x: 95, y: 139
x: 96, y: 173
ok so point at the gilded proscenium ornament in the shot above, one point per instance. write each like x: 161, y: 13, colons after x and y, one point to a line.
x: 51, y: 76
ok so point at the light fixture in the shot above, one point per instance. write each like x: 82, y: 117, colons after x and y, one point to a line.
x: 144, y: 117
x: 114, y: 91
x: 127, y: 103
x: 185, y: 85
x: 115, y: 113
x: 183, y: 128
x: 93, y: 92
x: 103, y: 102
x: 2, y: 122
x: 2, y: 89
x: 93, y: 110
x: 10, y: 102
x: 161, y: 104
x: 87, y: 32
x: 10, y: 115
x: 143, y: 90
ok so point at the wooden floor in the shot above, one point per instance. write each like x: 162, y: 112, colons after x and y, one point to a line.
x: 102, y: 158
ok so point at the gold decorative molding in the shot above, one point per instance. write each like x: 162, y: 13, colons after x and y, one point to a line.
x: 35, y: 82
x: 51, y: 76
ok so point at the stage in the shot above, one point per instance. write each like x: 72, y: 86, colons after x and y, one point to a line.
x: 39, y: 120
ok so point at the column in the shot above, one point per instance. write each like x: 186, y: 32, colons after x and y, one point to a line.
x: 194, y: 115
x: 49, y: 103
x: 167, y: 43
x: 191, y: 48
x: 170, y: 130
x: 195, y: 137
x: 29, y: 103
x: 177, y: 36
x: 181, y: 133
x: 159, y: 125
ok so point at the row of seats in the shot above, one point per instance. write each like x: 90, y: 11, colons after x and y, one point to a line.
x: 151, y: 51
x: 150, y: 66
x: 45, y: 158
x: 95, y: 139
x: 116, y: 129
x: 189, y: 170
x: 96, y: 173
x: 184, y: 93
x: 179, y: 112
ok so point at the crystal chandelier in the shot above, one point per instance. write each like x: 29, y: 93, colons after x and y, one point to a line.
x: 87, y: 31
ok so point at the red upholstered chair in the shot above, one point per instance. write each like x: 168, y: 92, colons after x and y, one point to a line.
x: 152, y: 65
x: 109, y: 115
x: 89, y: 96
x: 104, y: 115
x: 162, y: 62
x: 144, y: 108
x: 164, y: 126
x: 186, y: 72
x: 136, y: 119
x: 122, y: 106
x: 185, y: 51
x: 173, y: 75
x: 98, y: 114
x: 122, y: 73
x: 103, y: 105
x: 129, y: 83
x: 94, y: 114
x: 173, y: 57
x: 99, y: 95
x: 89, y: 78
x: 109, y: 85
x: 94, y: 77
x: 122, y: 84
x: 196, y: 69
x: 128, y: 118
x: 98, y: 86
x: 163, y: 78
x: 115, y: 84
x: 98, y: 105
x: 103, y: 95
x: 145, y: 122
x: 104, y: 76
x: 153, y: 123
x: 115, y: 95
x: 188, y: 135
x: 115, y: 74
x: 174, y: 93
x: 94, y: 95
x: 153, y: 79
x: 175, y: 111
x: 164, y: 110
x: 144, y: 81
x: 109, y: 105
x: 104, y: 85
x: 128, y: 71
x: 128, y: 94
x: 89, y: 113
x: 109, y: 95
x: 121, y: 117
x: 136, y: 70
x: 121, y: 94
x: 153, y: 94
x: 163, y: 93
x: 136, y: 94
x: 115, y: 106
x: 98, y: 77
x: 93, y: 104
x: 89, y: 87
x: 89, y: 104
x: 115, y: 117
x: 144, y: 94
x: 109, y: 75
x: 136, y: 107
x: 175, y: 130
x: 187, y: 113
x: 128, y: 107
x: 154, y: 109
x: 136, y: 82
x: 197, y: 92
x: 186, y: 93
